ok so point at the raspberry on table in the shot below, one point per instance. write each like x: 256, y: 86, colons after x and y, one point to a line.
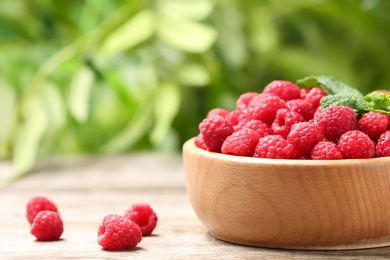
x: 214, y: 131
x: 326, y: 150
x: 241, y: 143
x: 118, y: 233
x: 47, y: 226
x: 264, y: 107
x: 302, y: 107
x: 383, y: 145
x: 276, y: 147
x: 144, y: 216
x: 374, y: 124
x: 37, y: 204
x: 337, y: 120
x: 286, y: 90
x: 356, y: 145
x: 284, y: 119
x: 304, y: 136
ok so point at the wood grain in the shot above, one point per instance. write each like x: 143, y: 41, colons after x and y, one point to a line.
x: 85, y: 189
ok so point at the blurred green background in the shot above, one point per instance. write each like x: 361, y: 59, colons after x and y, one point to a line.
x: 108, y: 77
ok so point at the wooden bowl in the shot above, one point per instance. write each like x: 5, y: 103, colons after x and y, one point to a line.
x: 291, y: 204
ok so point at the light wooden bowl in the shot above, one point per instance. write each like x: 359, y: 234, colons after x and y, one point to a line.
x: 292, y: 204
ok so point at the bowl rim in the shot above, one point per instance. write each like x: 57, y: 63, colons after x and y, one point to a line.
x: 189, y: 146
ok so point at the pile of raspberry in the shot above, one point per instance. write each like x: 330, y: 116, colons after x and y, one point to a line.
x: 286, y: 122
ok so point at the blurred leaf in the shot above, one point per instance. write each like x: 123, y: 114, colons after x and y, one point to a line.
x: 189, y: 9
x: 186, y: 35
x: 53, y: 103
x: 192, y: 74
x: 29, y: 136
x: 7, y: 111
x: 166, y: 106
x: 136, y: 30
x: 79, y: 92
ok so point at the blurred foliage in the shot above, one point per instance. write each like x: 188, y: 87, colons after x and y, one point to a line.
x: 106, y: 77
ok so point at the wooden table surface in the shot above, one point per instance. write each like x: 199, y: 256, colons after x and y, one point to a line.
x: 86, y: 189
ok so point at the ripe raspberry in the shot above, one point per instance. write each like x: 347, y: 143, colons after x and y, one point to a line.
x: 38, y: 204
x: 286, y: 90
x: 337, y: 120
x: 217, y: 112
x: 374, y: 124
x: 356, y: 145
x: 326, y: 150
x: 284, y: 120
x: 302, y: 107
x: 243, y: 100
x: 214, y: 131
x: 264, y: 106
x: 199, y: 142
x: 144, y: 216
x: 274, y: 146
x: 383, y: 145
x: 118, y: 233
x: 304, y: 92
x: 304, y: 136
x: 47, y: 226
x: 261, y: 128
x: 241, y: 143
x: 314, y: 96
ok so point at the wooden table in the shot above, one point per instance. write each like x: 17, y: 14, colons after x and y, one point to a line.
x: 86, y: 189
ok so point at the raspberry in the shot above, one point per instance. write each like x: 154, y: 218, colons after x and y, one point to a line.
x: 304, y: 136
x: 243, y: 100
x: 286, y: 90
x: 313, y: 97
x: 199, y: 142
x: 241, y: 143
x: 284, y: 120
x: 37, y: 204
x: 274, y: 146
x: 383, y: 145
x: 261, y: 128
x: 326, y: 150
x: 304, y: 92
x: 214, y: 131
x: 144, y: 216
x: 217, y: 112
x: 356, y: 145
x: 264, y: 106
x: 337, y: 120
x: 118, y: 233
x: 374, y: 124
x: 302, y: 107
x: 47, y: 226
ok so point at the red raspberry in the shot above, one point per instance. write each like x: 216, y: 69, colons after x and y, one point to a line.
x: 37, y: 204
x: 314, y: 96
x: 337, y: 120
x: 243, y: 100
x: 47, y: 226
x: 217, y: 112
x: 261, y: 128
x: 284, y: 120
x: 302, y: 107
x: 199, y: 142
x: 286, y: 90
x: 383, y: 145
x: 304, y: 92
x: 326, y: 150
x: 118, y: 233
x: 241, y: 143
x: 144, y: 216
x: 214, y: 131
x: 264, y: 106
x: 304, y: 136
x: 274, y: 146
x: 356, y: 145
x: 374, y: 124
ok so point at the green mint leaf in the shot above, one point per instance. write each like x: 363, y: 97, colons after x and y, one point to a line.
x: 357, y: 103
x: 378, y: 99
x: 329, y: 85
